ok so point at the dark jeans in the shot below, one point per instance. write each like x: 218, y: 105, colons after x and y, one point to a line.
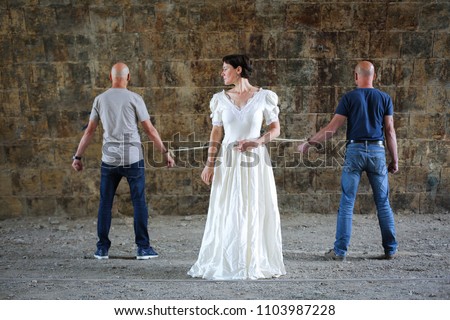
x: 111, y: 176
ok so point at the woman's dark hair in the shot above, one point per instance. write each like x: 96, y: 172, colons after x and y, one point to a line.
x: 240, y: 60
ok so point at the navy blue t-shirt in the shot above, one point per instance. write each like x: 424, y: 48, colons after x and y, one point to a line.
x: 365, y: 109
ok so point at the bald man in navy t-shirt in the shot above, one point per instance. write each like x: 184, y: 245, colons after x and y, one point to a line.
x: 368, y: 113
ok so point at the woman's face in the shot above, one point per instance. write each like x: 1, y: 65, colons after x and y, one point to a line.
x: 229, y: 74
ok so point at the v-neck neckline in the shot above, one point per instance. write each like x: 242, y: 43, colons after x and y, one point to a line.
x: 247, y: 103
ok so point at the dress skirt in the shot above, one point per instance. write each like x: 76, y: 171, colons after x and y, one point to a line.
x: 242, y: 237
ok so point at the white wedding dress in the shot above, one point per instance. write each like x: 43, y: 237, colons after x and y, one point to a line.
x: 242, y: 238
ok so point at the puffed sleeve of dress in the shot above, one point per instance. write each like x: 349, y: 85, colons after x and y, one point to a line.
x: 216, y: 111
x: 271, y: 109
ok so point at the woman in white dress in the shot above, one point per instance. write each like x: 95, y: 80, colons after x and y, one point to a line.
x: 242, y: 238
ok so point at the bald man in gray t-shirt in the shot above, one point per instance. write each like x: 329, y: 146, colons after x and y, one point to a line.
x: 120, y: 112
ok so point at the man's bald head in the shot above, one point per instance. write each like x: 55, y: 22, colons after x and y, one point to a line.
x: 120, y: 70
x: 120, y: 75
x: 365, y: 69
x: 364, y: 74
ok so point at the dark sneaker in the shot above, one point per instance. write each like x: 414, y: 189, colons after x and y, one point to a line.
x: 101, y: 254
x: 389, y: 256
x: 144, y: 254
x: 331, y: 255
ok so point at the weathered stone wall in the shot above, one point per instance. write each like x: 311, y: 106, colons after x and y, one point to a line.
x: 56, y: 56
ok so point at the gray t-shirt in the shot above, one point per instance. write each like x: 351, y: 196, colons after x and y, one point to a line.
x: 120, y: 111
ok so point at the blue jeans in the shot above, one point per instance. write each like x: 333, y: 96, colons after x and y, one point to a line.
x: 371, y: 159
x: 111, y: 176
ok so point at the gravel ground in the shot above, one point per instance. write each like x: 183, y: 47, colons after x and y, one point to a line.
x: 52, y: 258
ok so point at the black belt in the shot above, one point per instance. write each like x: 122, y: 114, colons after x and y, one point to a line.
x: 366, y: 142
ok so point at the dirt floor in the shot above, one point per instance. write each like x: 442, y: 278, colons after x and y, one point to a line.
x: 52, y: 258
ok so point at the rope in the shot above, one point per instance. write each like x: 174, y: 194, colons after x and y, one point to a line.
x: 289, y: 140
x: 188, y: 149
x: 172, y: 151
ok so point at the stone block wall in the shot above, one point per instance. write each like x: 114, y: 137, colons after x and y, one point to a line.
x: 56, y: 57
